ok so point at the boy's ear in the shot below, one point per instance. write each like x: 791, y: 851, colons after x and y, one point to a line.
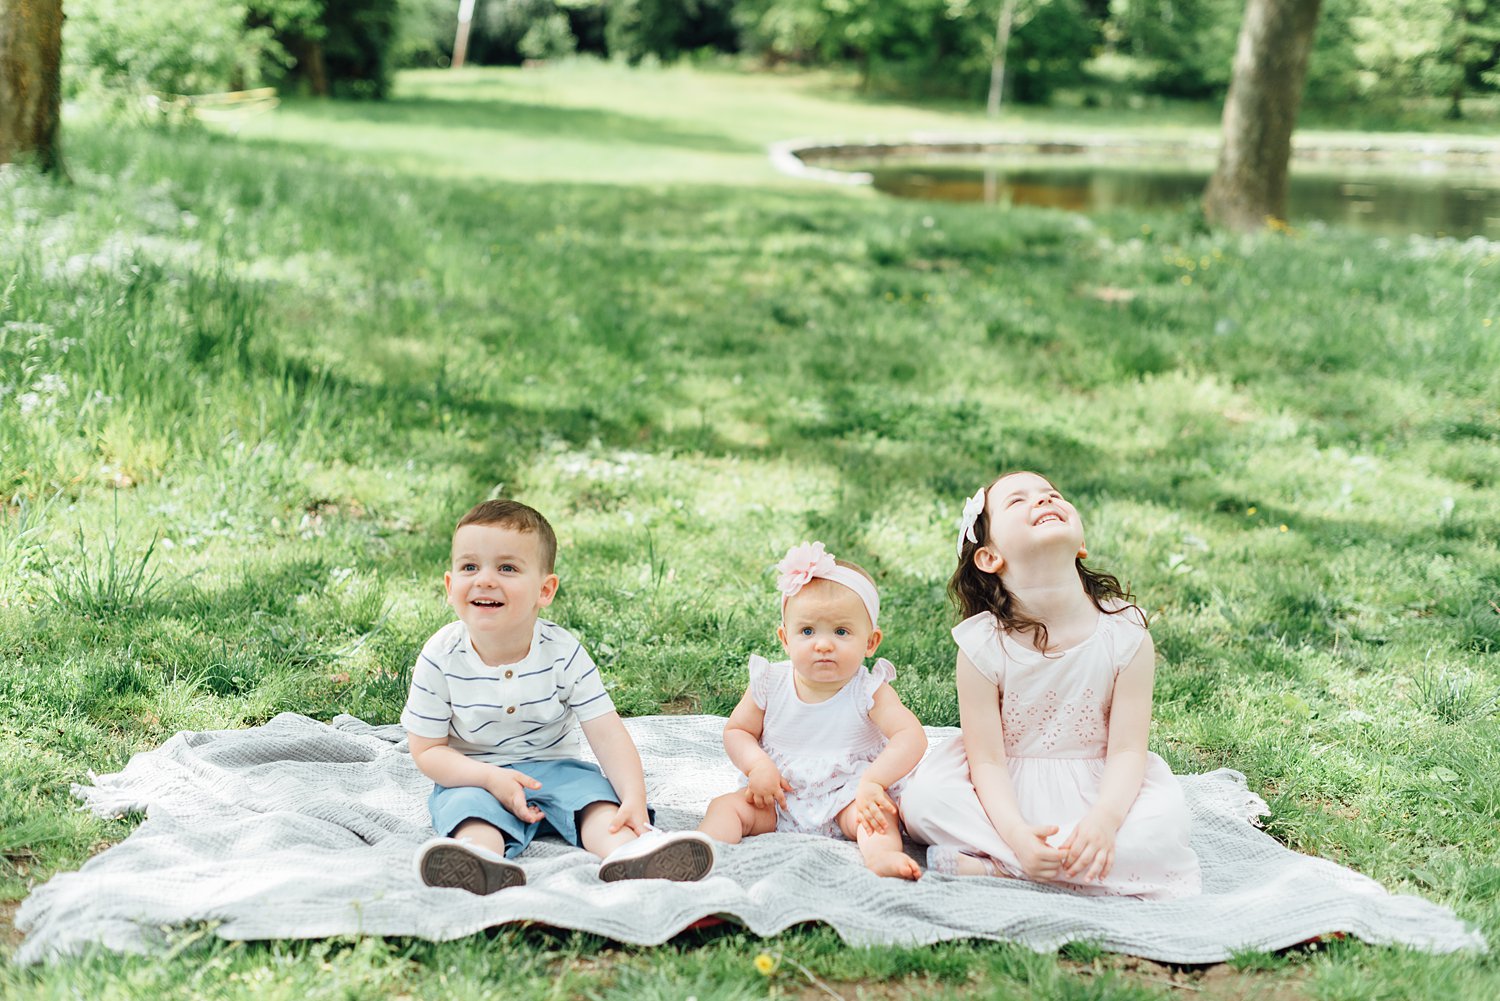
x: 988, y: 561
x: 448, y: 585
x: 875, y: 638
x: 549, y: 591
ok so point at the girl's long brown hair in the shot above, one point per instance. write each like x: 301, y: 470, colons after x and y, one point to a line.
x: 975, y: 591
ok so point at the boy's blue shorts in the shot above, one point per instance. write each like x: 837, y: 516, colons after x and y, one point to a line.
x: 568, y: 785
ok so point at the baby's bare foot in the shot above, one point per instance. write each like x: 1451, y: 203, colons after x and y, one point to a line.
x: 893, y: 863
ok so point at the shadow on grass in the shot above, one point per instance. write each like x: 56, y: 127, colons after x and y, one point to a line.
x: 518, y: 118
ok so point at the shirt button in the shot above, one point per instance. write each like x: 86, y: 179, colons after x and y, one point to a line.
x: 510, y: 674
x: 510, y: 709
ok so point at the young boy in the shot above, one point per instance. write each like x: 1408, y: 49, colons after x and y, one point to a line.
x: 497, y: 699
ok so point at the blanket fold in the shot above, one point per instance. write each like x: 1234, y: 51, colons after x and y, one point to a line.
x: 301, y: 829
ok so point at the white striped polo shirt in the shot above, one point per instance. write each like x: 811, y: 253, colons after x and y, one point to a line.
x: 512, y: 712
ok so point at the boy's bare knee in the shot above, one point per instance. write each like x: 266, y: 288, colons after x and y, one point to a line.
x: 482, y: 833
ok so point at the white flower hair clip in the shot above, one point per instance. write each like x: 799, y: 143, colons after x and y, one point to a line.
x: 800, y: 565
x: 973, y: 508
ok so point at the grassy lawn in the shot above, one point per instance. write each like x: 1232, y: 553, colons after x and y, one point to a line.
x: 247, y: 383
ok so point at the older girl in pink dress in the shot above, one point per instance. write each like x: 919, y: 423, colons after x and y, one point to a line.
x: 1051, y: 780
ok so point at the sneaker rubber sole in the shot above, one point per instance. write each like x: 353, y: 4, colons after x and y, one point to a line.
x: 456, y: 866
x: 682, y: 861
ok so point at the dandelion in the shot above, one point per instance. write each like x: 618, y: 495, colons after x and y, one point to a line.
x: 1251, y: 509
x: 1186, y: 279
x: 765, y: 964
x: 1283, y: 528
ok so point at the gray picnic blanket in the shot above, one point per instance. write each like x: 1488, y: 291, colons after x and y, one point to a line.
x: 302, y: 829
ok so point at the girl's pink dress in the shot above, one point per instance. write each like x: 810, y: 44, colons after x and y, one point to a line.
x: 1055, y: 716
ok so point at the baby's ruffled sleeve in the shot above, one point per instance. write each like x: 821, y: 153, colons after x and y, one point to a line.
x: 760, y: 680
x: 977, y: 638
x: 882, y: 672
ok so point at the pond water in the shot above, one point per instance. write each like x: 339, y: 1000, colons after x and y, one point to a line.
x: 1420, y: 198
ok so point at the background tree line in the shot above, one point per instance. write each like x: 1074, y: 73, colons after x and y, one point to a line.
x: 1363, y: 50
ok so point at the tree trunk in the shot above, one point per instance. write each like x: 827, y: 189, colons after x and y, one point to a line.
x: 461, y: 37
x: 1265, y: 92
x: 314, y: 69
x: 31, y: 82
x: 997, y: 65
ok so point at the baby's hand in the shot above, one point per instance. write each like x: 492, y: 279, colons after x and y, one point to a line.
x: 871, y: 805
x: 1039, y: 860
x: 1090, y: 849
x: 509, y: 787
x: 767, y: 788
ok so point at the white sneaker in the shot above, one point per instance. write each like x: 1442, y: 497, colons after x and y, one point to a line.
x: 681, y: 856
x: 467, y: 866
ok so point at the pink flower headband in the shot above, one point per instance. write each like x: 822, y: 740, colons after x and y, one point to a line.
x: 802, y: 563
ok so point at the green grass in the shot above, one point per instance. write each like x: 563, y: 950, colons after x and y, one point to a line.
x: 248, y: 383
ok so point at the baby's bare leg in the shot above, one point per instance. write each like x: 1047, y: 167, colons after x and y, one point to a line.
x: 481, y: 833
x: 882, y: 850
x: 731, y: 817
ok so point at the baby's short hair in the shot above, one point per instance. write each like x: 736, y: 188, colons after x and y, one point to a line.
x: 518, y: 517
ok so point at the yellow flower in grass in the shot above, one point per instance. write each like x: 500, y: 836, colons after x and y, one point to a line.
x: 765, y: 964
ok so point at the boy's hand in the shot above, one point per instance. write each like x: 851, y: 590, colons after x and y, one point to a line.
x: 1039, y: 860
x: 509, y: 787
x: 871, y: 805
x: 1090, y: 849
x: 767, y: 788
x: 631, y: 814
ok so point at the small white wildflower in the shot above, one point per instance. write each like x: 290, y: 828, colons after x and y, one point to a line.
x: 52, y: 384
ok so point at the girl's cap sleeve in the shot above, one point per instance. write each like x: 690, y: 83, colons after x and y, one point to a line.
x: 882, y: 672
x: 760, y: 680
x: 1127, y: 631
x: 977, y: 638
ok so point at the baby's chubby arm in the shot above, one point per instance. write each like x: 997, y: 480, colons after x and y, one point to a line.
x: 742, y: 744
x: 906, y: 742
x: 1089, y: 849
x: 621, y: 764
x: 448, y: 767
x: 984, y: 744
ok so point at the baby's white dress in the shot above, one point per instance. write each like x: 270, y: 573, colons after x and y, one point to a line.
x: 821, y: 748
x: 1055, y: 718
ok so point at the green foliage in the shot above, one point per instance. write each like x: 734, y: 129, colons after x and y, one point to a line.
x: 934, y: 47
x: 343, y: 48
x: 556, y: 27
x: 123, y: 46
x: 667, y: 29
x: 1188, y: 44
x: 1383, y: 50
x: 548, y: 37
x: 426, y: 29
x: 1427, y: 48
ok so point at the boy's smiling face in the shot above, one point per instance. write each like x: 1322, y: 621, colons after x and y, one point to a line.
x: 497, y: 585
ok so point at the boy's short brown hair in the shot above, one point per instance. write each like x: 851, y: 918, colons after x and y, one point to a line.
x: 518, y: 517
